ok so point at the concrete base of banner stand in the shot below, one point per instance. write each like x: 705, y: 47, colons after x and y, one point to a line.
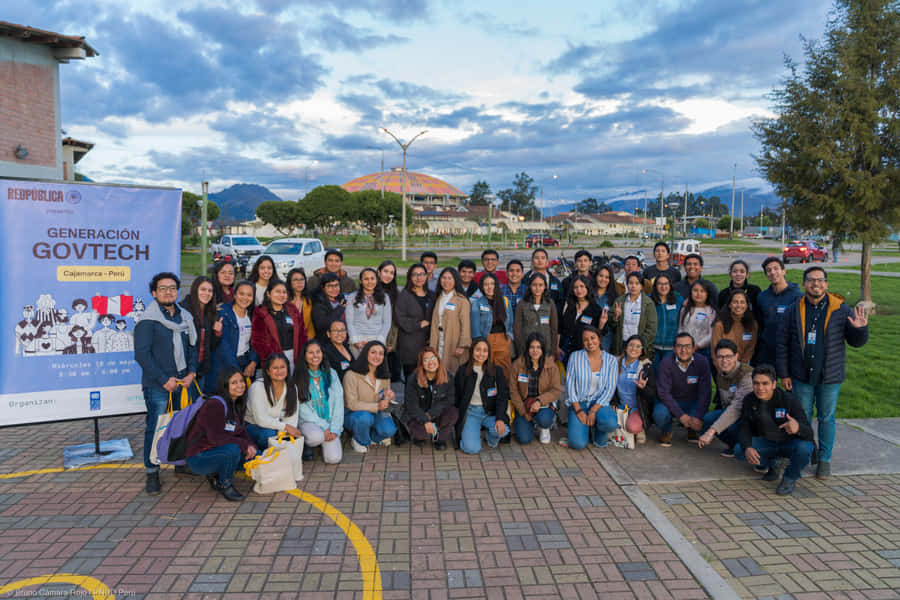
x: 86, y: 454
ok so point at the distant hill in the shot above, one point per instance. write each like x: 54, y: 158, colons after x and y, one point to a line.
x: 240, y: 201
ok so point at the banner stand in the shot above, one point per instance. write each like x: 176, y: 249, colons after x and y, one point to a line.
x: 98, y: 452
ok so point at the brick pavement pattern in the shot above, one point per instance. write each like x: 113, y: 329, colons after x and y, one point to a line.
x: 515, y: 522
x: 837, y: 538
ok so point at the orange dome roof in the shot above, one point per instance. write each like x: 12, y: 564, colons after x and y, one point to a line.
x: 419, y: 184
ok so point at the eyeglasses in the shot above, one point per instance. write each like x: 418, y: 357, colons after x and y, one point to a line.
x: 635, y: 345
x: 816, y: 280
x: 418, y: 274
x: 167, y: 288
x: 429, y: 359
x: 338, y: 331
x: 677, y: 346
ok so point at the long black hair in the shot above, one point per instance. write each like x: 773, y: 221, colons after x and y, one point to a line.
x: 290, y: 288
x: 488, y: 367
x: 267, y: 301
x: 389, y: 288
x: 611, y: 292
x: 290, y: 396
x: 535, y: 336
x: 360, y: 364
x: 591, y: 297
x: 725, y: 312
x: 236, y: 406
x: 254, y: 272
x: 689, y: 305
x: 301, y: 372
x: 377, y: 294
x: 498, y: 302
x: 545, y: 296
x: 202, y: 314
x: 409, y: 278
x: 654, y: 294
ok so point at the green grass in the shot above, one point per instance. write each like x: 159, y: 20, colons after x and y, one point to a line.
x: 190, y: 262
x: 863, y: 394
x: 883, y: 267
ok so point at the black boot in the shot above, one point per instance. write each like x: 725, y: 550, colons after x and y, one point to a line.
x: 183, y: 470
x: 153, y: 487
x: 308, y: 453
x: 231, y: 494
x: 213, y: 480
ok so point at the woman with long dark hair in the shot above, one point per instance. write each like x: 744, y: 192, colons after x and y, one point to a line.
x: 321, y: 413
x: 277, y: 325
x: 272, y: 404
x: 636, y: 386
x: 235, y: 349
x: 298, y: 295
x: 451, y: 331
x: 201, y: 303
x: 337, y: 349
x: 387, y: 281
x: 698, y: 316
x: 736, y: 323
x: 536, y: 313
x: 412, y: 314
x: 429, y: 409
x: 605, y: 294
x: 633, y: 313
x: 739, y: 272
x: 368, y: 314
x: 223, y: 277
x: 492, y: 320
x: 590, y: 385
x: 367, y: 399
x: 261, y: 275
x: 581, y: 310
x: 482, y: 397
x: 668, y: 304
x: 534, y: 390
x: 218, y: 441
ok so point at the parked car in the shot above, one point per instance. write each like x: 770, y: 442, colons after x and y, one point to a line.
x: 238, y: 249
x: 539, y: 239
x: 684, y: 247
x: 804, y: 251
x: 288, y: 253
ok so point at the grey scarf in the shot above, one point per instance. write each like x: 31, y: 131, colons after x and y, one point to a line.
x: 154, y: 313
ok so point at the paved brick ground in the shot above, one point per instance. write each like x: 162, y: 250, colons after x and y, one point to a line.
x: 517, y: 522
x: 838, y: 538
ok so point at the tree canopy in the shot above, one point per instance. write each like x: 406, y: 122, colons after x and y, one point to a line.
x: 590, y: 206
x: 190, y: 213
x: 368, y: 208
x: 833, y: 149
x: 479, y: 193
x: 520, y: 197
x: 283, y: 216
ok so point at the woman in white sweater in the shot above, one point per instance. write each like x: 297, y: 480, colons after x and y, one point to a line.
x: 368, y: 314
x: 698, y: 316
x: 272, y: 403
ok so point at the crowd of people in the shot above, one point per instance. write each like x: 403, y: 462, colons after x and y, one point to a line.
x: 488, y: 354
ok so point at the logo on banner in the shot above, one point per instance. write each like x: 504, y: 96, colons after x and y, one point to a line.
x: 113, y: 305
x: 95, y: 400
x: 74, y: 197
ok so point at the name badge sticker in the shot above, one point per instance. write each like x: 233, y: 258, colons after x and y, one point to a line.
x: 586, y: 319
x: 545, y: 320
x: 523, y: 378
x: 701, y: 316
x: 288, y: 320
x: 780, y: 309
x: 780, y: 413
x: 671, y: 306
x: 485, y: 308
x: 492, y: 391
x: 747, y: 337
x: 449, y: 306
x: 345, y: 365
x: 632, y: 376
x: 732, y: 388
x: 229, y: 427
x: 811, y: 337
x: 692, y: 379
x: 554, y: 286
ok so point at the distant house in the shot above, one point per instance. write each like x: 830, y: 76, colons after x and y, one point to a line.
x: 606, y: 224
x: 30, y: 128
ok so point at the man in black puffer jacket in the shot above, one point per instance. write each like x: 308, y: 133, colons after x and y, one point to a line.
x: 811, y: 357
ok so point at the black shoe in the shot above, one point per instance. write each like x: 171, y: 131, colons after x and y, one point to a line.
x: 786, y: 487
x: 771, y: 474
x: 727, y: 452
x: 419, y: 443
x: 213, y: 480
x: 823, y: 470
x: 231, y: 494
x: 308, y: 454
x: 153, y: 487
x: 506, y: 439
x: 183, y: 470
x: 814, y: 459
x: 440, y: 445
x: 400, y: 440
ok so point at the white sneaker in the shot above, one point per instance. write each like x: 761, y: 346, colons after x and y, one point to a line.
x: 640, y: 437
x: 358, y: 447
x: 385, y: 442
x: 544, y: 435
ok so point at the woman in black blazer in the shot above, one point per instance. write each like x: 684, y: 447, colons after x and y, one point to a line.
x: 482, y: 397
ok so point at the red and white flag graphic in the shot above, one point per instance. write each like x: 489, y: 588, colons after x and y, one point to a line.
x: 112, y: 305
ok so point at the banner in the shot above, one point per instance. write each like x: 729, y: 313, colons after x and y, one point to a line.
x: 77, y: 261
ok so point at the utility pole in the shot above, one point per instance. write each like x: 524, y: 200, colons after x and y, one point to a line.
x: 731, y: 214
x: 203, y: 240
x: 404, y: 147
x: 742, y: 212
x: 684, y: 225
x: 644, y: 217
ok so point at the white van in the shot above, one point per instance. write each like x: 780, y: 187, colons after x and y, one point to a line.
x: 290, y: 253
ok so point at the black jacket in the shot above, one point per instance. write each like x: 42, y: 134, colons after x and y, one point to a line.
x: 645, y: 397
x: 204, y: 332
x: 422, y: 409
x: 323, y: 315
x: 753, y: 424
x: 494, y: 405
x: 792, y: 338
x: 336, y: 360
x: 408, y: 315
x: 570, y: 328
x: 751, y: 290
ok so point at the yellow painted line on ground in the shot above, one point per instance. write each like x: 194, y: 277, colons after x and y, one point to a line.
x: 96, y: 588
x: 368, y: 562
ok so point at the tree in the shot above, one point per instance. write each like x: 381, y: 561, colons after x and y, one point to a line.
x: 479, y: 193
x: 190, y: 214
x: 368, y: 208
x: 701, y: 223
x: 590, y: 206
x: 519, y: 198
x: 283, y: 216
x: 833, y: 149
x: 725, y: 223
x: 323, y: 207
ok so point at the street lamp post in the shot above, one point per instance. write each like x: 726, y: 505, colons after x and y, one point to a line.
x: 662, y: 190
x: 404, y: 147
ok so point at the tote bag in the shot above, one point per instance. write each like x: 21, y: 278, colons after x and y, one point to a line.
x: 272, y: 472
x: 293, y: 447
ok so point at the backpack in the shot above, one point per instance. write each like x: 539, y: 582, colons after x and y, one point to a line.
x: 172, y: 445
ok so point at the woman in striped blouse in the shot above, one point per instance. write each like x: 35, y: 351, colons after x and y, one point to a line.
x: 590, y: 385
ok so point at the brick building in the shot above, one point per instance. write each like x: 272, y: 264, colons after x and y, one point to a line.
x: 30, y: 136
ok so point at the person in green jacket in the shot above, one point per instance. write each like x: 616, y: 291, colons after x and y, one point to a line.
x: 633, y: 314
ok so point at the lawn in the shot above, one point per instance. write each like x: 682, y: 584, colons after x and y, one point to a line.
x: 884, y: 267
x: 863, y: 394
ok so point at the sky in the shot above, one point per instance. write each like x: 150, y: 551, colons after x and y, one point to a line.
x: 610, y: 96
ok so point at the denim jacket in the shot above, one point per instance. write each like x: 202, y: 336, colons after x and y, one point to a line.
x: 483, y: 317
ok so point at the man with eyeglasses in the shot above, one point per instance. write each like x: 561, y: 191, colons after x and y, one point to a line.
x: 811, y: 354
x: 683, y: 385
x: 490, y: 260
x: 733, y: 382
x: 165, y: 346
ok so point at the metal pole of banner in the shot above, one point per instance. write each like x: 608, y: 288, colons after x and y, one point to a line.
x: 97, y: 440
x: 203, y: 227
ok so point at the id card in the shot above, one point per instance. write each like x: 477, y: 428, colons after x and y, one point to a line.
x: 554, y: 286
x: 671, y: 306
x: 345, y: 365
x: 781, y: 309
x: 701, y: 316
x: 780, y: 413
x: 732, y: 388
x: 747, y: 337
x: 229, y: 427
x: 523, y: 378
x: 288, y: 320
x: 485, y: 308
x: 491, y: 392
x: 811, y: 337
x: 545, y: 320
x: 449, y: 306
x: 692, y: 379
x: 586, y: 319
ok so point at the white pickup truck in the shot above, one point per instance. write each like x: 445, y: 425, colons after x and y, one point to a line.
x: 241, y: 249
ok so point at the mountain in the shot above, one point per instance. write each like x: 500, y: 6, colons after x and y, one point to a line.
x: 239, y: 201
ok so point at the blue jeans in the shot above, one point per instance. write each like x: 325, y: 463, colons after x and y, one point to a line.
x: 260, y: 435
x: 525, y: 428
x: 579, y: 432
x: 663, y: 418
x: 730, y: 435
x: 157, y: 401
x: 799, y: 451
x: 223, y: 460
x: 470, y: 438
x: 658, y: 355
x: 825, y: 397
x: 369, y: 427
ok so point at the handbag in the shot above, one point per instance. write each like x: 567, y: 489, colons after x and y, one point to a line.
x: 272, y: 472
x: 162, y: 422
x: 293, y: 447
x: 620, y: 437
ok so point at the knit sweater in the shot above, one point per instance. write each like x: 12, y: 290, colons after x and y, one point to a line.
x: 361, y: 328
x: 674, y: 385
x: 263, y: 414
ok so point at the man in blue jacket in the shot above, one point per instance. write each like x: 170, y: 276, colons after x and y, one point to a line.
x: 165, y: 346
x: 811, y: 354
x: 771, y: 305
x: 684, y: 387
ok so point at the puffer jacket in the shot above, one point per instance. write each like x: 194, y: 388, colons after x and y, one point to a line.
x: 792, y: 339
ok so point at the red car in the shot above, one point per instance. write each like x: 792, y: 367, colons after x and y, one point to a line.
x: 536, y: 239
x: 804, y: 251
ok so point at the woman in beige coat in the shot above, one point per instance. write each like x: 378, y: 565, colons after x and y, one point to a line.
x: 451, y: 333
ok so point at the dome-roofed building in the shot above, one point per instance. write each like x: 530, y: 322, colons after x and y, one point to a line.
x: 424, y: 191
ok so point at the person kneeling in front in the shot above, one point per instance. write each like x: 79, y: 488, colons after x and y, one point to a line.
x: 482, y: 397
x: 534, y: 390
x: 683, y: 385
x: 430, y: 401
x: 774, y: 424
x: 218, y: 442
x: 367, y: 399
x: 590, y: 385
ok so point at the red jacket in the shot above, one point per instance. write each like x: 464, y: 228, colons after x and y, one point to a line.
x: 209, y: 429
x: 264, y: 335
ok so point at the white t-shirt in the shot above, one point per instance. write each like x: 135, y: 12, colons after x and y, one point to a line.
x: 243, y: 346
x: 476, y: 393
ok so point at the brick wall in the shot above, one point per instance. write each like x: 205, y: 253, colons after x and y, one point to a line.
x: 27, y: 113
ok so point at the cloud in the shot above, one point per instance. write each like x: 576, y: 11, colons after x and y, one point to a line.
x: 336, y: 34
x: 493, y: 25
x: 397, y: 10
